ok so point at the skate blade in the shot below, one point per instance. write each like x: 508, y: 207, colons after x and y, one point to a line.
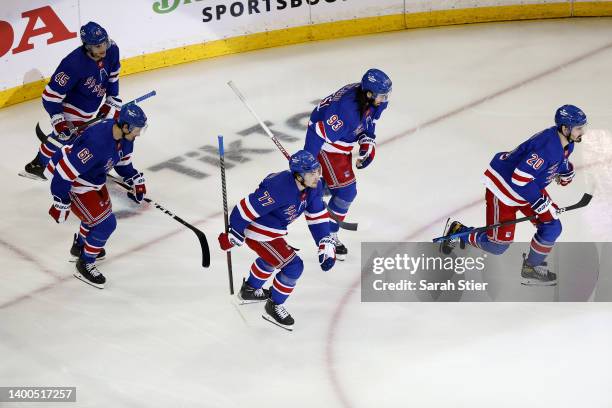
x: 535, y: 282
x: 82, y: 278
x: 274, y: 322
x: 340, y: 257
x: 240, y: 301
x: 30, y: 176
x: 443, y: 248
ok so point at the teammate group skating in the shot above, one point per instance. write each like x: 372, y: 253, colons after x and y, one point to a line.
x: 78, y: 156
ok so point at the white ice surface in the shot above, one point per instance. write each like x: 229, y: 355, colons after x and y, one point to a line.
x: 164, y: 332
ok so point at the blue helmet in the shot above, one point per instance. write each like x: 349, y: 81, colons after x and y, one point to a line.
x: 93, y: 34
x: 133, y: 116
x: 376, y: 81
x: 303, y: 162
x: 570, y: 116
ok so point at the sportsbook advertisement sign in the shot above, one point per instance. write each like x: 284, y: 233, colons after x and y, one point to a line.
x: 420, y: 272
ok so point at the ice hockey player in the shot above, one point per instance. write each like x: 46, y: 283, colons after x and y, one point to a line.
x: 516, y: 181
x: 338, y: 122
x: 78, y: 175
x: 76, y: 89
x: 261, y: 219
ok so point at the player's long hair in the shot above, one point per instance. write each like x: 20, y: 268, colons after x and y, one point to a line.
x: 363, y: 101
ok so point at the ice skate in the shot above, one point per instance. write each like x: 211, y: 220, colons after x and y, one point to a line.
x: 341, y: 251
x: 537, y: 275
x: 34, y: 170
x: 447, y: 246
x: 248, y: 294
x: 278, y: 315
x: 89, y: 273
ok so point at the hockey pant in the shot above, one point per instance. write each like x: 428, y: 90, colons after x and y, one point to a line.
x: 339, y: 177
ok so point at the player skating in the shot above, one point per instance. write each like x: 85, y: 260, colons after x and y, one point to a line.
x: 338, y: 122
x: 78, y: 184
x: 76, y: 89
x: 516, y: 181
x: 261, y: 219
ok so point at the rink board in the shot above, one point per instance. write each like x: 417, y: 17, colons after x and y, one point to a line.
x: 199, y: 31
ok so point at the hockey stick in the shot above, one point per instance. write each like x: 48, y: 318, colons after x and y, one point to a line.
x: 584, y: 201
x: 344, y: 225
x: 225, y: 217
x: 201, y: 236
x: 51, y: 139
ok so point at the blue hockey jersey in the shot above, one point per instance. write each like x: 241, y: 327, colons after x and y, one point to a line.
x: 336, y: 123
x: 79, y: 84
x: 518, y: 177
x: 265, y: 214
x: 83, y: 166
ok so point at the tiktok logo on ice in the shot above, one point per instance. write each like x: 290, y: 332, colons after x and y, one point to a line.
x: 197, y: 162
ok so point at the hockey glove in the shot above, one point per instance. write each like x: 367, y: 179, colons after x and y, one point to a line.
x: 61, y: 128
x: 112, y: 102
x: 545, y: 209
x: 228, y: 240
x: 367, y: 151
x: 565, y: 178
x: 138, y: 191
x: 60, y: 209
x: 327, y: 253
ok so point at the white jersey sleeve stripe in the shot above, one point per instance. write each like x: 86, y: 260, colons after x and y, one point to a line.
x: 250, y: 207
x: 522, y: 173
x: 51, y: 92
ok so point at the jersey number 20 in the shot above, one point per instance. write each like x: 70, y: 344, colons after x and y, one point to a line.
x: 535, y: 161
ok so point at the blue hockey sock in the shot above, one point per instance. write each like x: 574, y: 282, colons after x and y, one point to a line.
x: 45, y: 152
x: 282, y: 288
x: 97, y: 237
x: 339, y: 208
x: 539, y: 250
x: 260, y: 272
x: 285, y: 280
x: 82, y: 235
x: 333, y: 226
x: 481, y: 240
x: 92, y: 249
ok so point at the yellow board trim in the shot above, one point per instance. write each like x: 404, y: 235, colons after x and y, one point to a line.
x: 326, y: 31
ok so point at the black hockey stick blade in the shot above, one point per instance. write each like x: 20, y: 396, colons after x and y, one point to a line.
x: 350, y: 226
x: 201, y: 236
x: 44, y: 138
x: 40, y: 134
x: 584, y: 201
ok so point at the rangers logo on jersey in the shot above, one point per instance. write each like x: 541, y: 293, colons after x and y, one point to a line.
x: 109, y: 165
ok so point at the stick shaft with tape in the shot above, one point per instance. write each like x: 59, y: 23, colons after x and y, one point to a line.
x: 225, y: 212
